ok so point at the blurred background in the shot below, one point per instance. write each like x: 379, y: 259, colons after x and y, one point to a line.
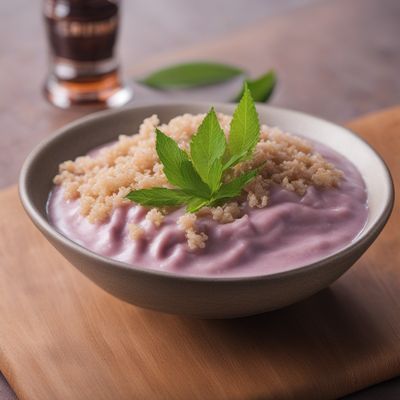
x: 337, y: 59
x: 334, y: 58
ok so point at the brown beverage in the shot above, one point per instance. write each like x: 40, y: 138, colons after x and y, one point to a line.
x: 83, y: 66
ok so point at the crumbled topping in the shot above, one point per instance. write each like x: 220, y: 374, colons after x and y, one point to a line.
x: 223, y: 214
x: 155, y: 216
x: 135, y: 231
x: 196, y: 240
x: 187, y: 221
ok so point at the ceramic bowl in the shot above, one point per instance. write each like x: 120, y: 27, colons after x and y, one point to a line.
x: 206, y: 297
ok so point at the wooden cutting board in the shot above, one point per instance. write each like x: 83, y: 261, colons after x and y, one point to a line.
x: 61, y: 337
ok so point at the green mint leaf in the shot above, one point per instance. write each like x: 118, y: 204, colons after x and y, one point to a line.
x: 233, y: 160
x: 190, y: 75
x: 261, y: 88
x: 244, y: 130
x: 195, y: 204
x: 235, y: 186
x: 192, y: 182
x: 158, y: 197
x: 177, y: 167
x: 215, y: 175
x: 207, y: 148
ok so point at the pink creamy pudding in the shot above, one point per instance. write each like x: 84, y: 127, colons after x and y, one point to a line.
x: 290, y: 232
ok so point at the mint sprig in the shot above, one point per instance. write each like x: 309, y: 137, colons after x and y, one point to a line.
x: 199, y: 175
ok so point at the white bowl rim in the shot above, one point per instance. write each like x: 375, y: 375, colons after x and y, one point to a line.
x: 45, y: 225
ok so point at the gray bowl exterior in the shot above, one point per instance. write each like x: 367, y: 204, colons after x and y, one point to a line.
x: 204, y: 298
x: 208, y: 297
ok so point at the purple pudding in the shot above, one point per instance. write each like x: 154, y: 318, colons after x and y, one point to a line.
x: 309, y: 203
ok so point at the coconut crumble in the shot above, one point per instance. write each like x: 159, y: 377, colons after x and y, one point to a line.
x: 136, y: 232
x: 155, y: 217
x: 102, y: 180
x: 187, y: 223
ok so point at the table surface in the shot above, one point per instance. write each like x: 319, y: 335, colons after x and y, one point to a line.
x: 285, y: 354
x: 337, y: 59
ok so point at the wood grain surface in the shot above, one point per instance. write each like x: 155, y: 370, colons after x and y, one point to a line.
x: 61, y: 337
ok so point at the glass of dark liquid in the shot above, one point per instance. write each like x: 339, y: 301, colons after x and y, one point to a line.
x: 83, y: 66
